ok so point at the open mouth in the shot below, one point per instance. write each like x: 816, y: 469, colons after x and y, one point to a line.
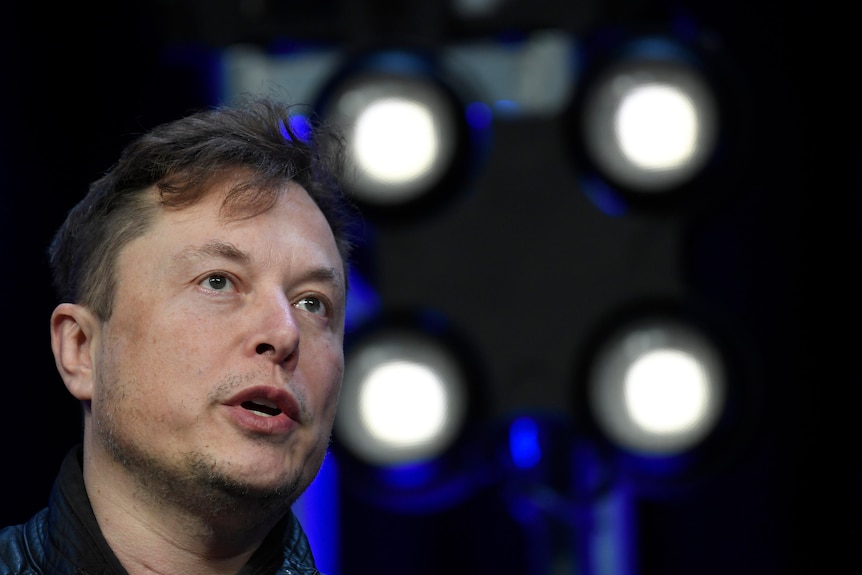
x: 262, y: 407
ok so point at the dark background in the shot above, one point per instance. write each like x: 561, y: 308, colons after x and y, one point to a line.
x: 79, y: 80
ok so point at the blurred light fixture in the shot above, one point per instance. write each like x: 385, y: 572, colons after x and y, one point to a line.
x: 406, y: 128
x: 657, y: 386
x: 650, y: 126
x: 404, y: 398
x: 651, y: 119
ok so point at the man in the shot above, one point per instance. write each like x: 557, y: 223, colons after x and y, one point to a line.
x: 203, y: 292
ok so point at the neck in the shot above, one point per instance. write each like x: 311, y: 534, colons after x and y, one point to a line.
x: 154, y: 529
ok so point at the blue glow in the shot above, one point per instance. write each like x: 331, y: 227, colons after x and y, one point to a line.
x: 427, y: 487
x: 612, y: 546
x: 604, y: 197
x: 363, y: 301
x: 661, y: 465
x: 409, y: 475
x: 507, y: 107
x: 524, y: 444
x: 301, y: 126
x: 479, y: 115
x: 317, y: 511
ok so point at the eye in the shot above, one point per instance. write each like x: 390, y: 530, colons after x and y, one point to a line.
x: 312, y: 304
x: 217, y: 282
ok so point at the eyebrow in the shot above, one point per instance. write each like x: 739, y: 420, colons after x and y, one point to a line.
x: 329, y: 275
x: 229, y: 251
x: 213, y: 248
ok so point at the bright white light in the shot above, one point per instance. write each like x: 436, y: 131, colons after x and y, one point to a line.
x: 657, y: 386
x: 395, y: 140
x: 650, y: 126
x: 666, y: 391
x: 657, y: 126
x: 401, y: 135
x: 403, y: 399
x: 403, y: 403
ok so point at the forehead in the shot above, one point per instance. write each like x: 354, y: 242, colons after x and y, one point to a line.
x: 292, y: 219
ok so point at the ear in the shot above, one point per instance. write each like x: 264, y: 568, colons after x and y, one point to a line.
x: 74, y: 331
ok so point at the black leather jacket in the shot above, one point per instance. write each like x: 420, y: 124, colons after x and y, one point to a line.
x: 64, y: 538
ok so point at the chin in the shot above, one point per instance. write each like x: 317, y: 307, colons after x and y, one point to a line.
x: 252, y: 478
x: 258, y: 489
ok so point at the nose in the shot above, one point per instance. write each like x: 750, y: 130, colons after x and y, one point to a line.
x: 276, y: 333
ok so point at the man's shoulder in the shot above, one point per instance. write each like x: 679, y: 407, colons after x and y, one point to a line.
x: 21, y: 546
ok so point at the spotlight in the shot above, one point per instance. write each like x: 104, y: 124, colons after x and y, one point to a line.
x: 404, y: 398
x: 405, y: 126
x: 650, y: 126
x: 657, y: 386
x: 652, y: 119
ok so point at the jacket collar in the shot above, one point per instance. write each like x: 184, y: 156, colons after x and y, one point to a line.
x: 76, y: 546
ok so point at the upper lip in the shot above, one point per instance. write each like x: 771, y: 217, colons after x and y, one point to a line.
x: 280, y: 397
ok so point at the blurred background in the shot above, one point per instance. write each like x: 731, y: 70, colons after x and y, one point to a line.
x: 609, y: 260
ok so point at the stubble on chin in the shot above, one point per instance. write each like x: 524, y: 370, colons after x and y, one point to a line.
x: 219, y: 491
x: 195, y: 482
x: 197, y: 485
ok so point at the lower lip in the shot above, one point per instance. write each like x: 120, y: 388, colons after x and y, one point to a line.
x: 279, y: 424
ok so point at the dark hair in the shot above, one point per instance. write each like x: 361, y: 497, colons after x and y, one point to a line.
x: 251, y: 143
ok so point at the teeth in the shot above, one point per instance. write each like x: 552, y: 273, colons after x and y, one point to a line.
x: 263, y: 407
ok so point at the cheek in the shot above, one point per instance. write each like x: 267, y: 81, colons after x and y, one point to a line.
x: 326, y: 382
x: 176, y: 341
x: 150, y: 356
x: 116, y: 394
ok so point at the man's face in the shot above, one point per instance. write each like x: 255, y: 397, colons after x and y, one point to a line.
x: 222, y: 361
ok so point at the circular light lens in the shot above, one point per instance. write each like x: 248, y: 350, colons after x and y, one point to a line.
x: 666, y: 391
x: 403, y: 403
x: 657, y: 387
x: 400, y: 134
x: 650, y: 126
x: 657, y: 127
x: 403, y: 399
